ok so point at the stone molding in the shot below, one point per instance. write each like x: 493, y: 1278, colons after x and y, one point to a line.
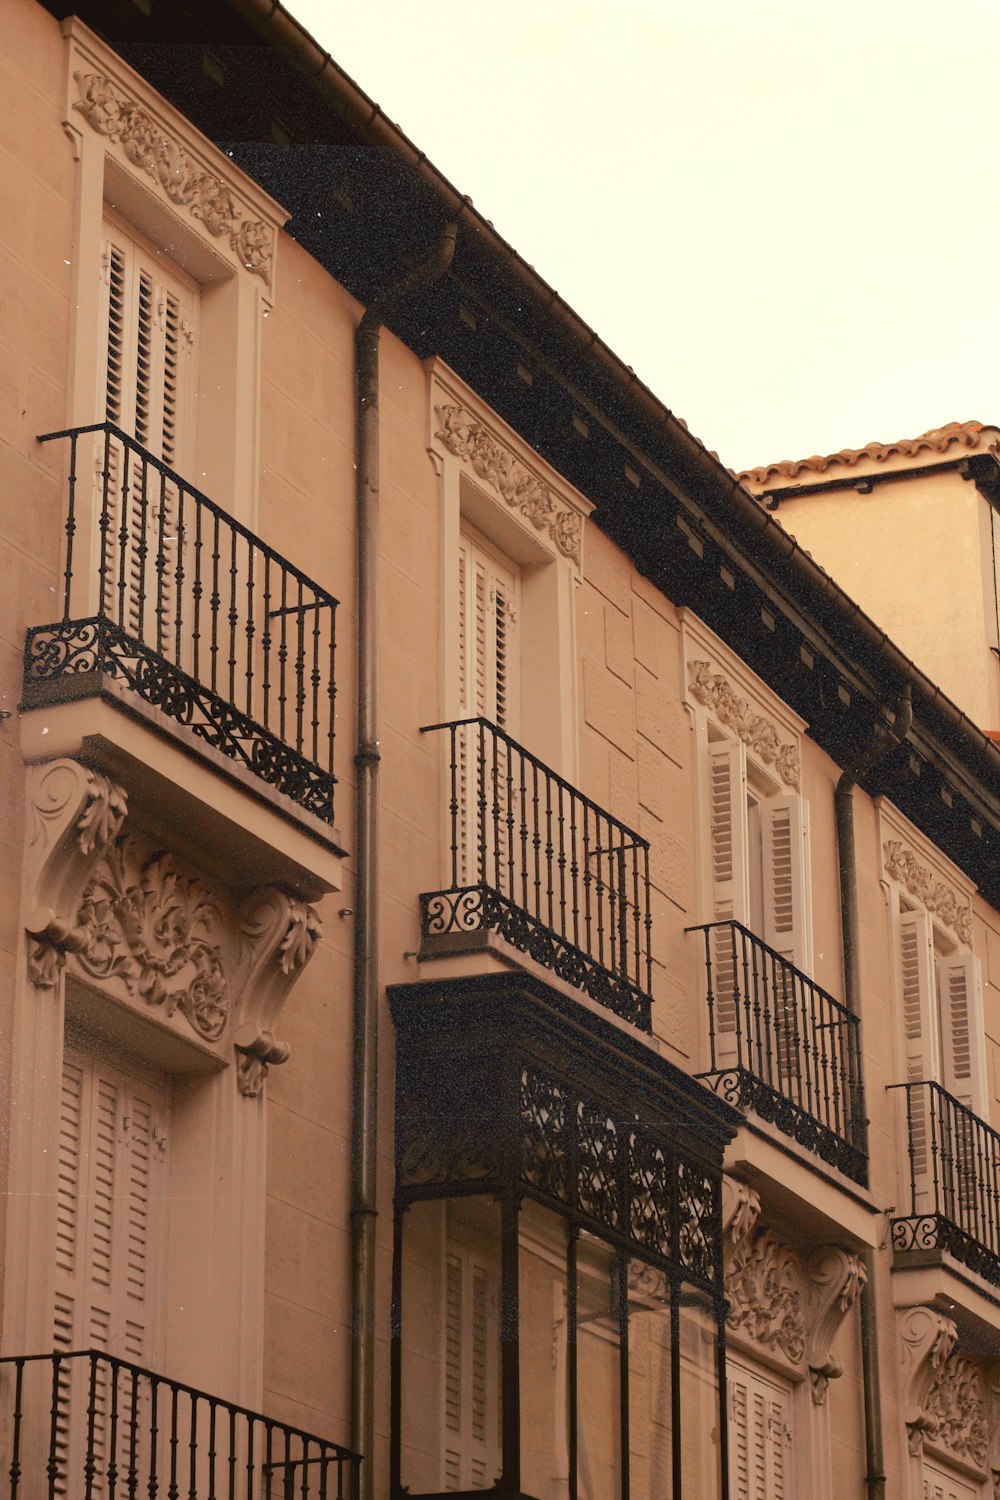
x: 927, y: 1339
x: 468, y: 438
x: 933, y: 894
x: 138, y: 922
x: 109, y: 110
x: 764, y: 1287
x: 834, y: 1281
x: 760, y: 734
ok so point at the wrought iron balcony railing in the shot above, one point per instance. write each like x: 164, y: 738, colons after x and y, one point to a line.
x: 782, y: 1047
x: 187, y: 608
x: 953, y: 1170
x: 539, y: 863
x: 89, y: 1427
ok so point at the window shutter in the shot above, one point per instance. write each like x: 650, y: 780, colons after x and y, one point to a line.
x: 759, y: 1436
x: 783, y: 826
x: 916, y: 961
x: 471, y: 1373
x: 962, y: 1029
x: 487, y: 685
x: 727, y: 826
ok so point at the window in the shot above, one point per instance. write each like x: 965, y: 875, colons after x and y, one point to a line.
x: 146, y: 355
x: 487, y: 640
x: 940, y: 1485
x: 941, y: 992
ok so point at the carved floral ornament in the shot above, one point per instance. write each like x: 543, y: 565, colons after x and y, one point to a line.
x: 951, y: 1398
x: 109, y: 111
x: 778, y: 1300
x: 147, y: 927
x: 467, y: 437
x: 933, y: 894
x: 759, y: 734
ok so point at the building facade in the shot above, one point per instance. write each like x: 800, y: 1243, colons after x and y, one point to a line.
x: 503, y: 955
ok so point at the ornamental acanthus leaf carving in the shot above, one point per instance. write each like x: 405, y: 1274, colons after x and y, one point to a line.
x: 109, y: 111
x: 955, y: 1410
x: 156, y: 928
x: 935, y: 896
x: 758, y: 733
x: 464, y: 435
x: 763, y: 1287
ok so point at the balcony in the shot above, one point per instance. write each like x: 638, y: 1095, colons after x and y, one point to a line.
x: 167, y: 597
x: 544, y: 868
x: 953, y: 1185
x: 87, y: 1424
x: 783, y: 1048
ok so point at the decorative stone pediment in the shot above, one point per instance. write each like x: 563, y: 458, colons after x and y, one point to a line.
x: 468, y: 438
x: 139, y: 924
x: 927, y: 1339
x: 934, y: 895
x: 184, y: 180
x: 760, y: 734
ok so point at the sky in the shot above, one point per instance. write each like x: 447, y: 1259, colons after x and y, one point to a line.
x: 784, y: 215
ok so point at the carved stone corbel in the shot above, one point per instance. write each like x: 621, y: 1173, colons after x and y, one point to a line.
x: 74, y: 814
x: 740, y: 1212
x: 834, y: 1279
x: 278, y: 934
x: 927, y: 1338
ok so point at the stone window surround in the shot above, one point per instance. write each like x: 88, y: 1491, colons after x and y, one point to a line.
x: 138, y: 156
x: 490, y: 478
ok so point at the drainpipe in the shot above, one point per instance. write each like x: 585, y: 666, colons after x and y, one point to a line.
x: 886, y: 738
x: 364, y: 1145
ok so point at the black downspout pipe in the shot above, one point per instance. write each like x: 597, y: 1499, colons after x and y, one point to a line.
x: 364, y: 1153
x: 886, y: 738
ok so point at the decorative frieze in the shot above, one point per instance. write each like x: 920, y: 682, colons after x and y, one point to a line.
x: 108, y: 110
x: 714, y: 691
x: 763, y: 1284
x: 157, y: 930
x: 520, y: 489
x: 933, y: 894
x: 955, y: 1411
x: 144, y: 927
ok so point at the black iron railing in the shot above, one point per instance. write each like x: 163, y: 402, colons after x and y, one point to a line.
x: 188, y: 609
x: 783, y: 1047
x: 953, y: 1169
x: 539, y: 863
x: 86, y: 1425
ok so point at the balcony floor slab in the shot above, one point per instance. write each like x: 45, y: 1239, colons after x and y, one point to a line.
x: 207, y: 808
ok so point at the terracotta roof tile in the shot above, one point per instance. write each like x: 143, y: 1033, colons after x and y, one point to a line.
x: 937, y: 440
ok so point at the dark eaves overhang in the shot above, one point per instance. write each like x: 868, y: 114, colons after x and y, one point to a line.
x: 367, y: 203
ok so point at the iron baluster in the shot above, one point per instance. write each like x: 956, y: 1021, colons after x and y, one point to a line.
x: 70, y: 524
x: 300, y: 670
x: 90, y: 1458
x: 161, y: 568
x: 233, y: 616
x: 174, y: 1445
x: 123, y: 540
x: 112, y: 1465
x: 196, y: 593
x: 104, y: 526
x: 215, y: 605
x: 14, y: 1470
x: 179, y: 582
x: 249, y: 630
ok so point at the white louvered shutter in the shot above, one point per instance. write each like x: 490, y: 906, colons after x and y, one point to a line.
x: 111, y: 1145
x: 759, y: 1436
x: 472, y: 1459
x: 487, y: 598
x: 146, y: 388
x: 960, y: 999
x: 920, y: 1031
x: 785, y: 906
x: 728, y: 839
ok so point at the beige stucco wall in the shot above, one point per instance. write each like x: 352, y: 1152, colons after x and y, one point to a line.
x: 634, y: 747
x: 916, y: 555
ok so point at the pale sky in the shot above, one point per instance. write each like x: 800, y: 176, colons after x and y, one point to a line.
x: 783, y: 214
